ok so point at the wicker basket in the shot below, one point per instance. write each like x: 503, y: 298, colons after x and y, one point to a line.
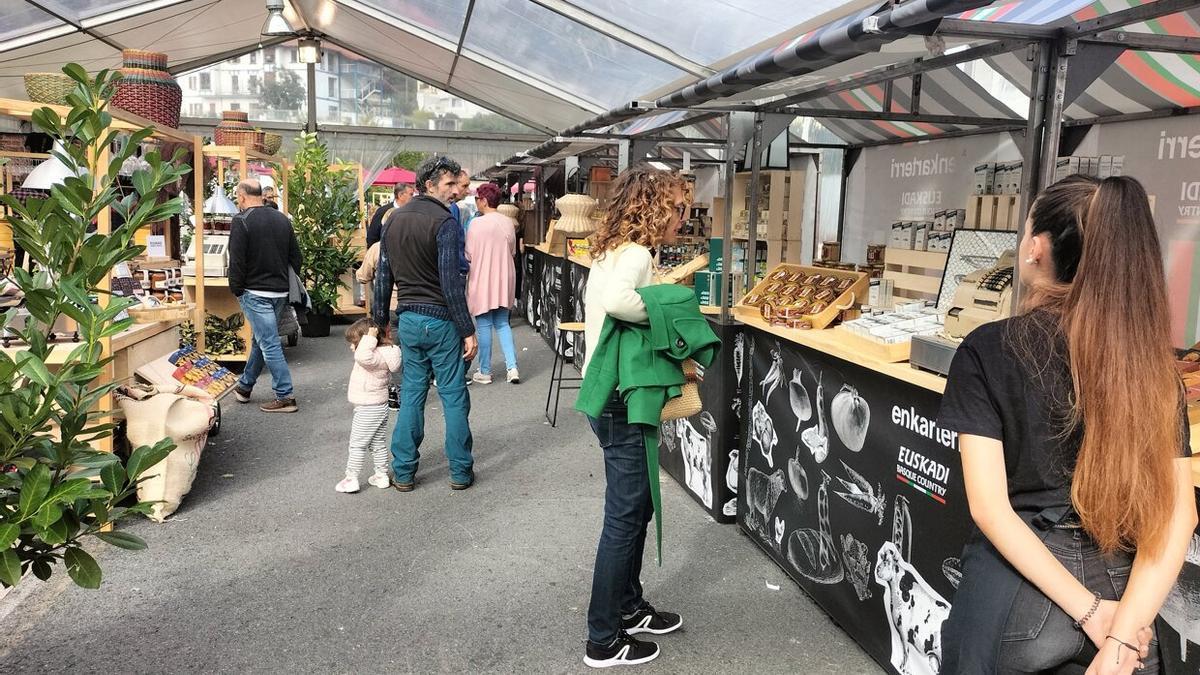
x: 48, y: 87
x: 240, y: 116
x: 147, y: 89
x: 246, y: 138
x: 272, y: 143
x: 176, y: 311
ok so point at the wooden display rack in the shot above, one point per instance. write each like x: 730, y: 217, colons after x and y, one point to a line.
x: 854, y: 295
x: 132, y: 346
x: 785, y: 212
x: 346, y: 304
x: 917, y: 275
x: 993, y: 212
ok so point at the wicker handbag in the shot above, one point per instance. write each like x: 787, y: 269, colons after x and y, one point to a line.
x: 48, y: 87
x: 688, y: 402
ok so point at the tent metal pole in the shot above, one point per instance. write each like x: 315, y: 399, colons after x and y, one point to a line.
x: 727, y: 235
x: 1031, y: 181
x: 756, y: 151
x: 1060, y: 60
x: 311, y: 125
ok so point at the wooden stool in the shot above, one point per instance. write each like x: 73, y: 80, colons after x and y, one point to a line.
x: 566, y: 331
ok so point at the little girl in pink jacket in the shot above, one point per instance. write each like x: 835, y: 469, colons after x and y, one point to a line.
x: 375, y: 359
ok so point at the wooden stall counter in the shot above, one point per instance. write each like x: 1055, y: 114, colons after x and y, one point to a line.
x: 132, y: 348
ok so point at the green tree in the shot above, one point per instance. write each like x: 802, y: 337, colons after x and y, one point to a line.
x: 284, y: 92
x: 56, y: 490
x: 492, y: 122
x: 408, y: 159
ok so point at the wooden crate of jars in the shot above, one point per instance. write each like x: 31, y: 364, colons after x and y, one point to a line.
x: 797, y: 296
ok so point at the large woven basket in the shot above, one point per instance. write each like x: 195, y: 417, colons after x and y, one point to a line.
x: 48, y: 87
x: 246, y: 138
x: 147, y: 89
x: 272, y: 143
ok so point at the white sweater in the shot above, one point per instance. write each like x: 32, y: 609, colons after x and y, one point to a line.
x: 612, y: 291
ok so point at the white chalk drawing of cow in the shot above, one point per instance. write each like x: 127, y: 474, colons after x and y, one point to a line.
x: 762, y: 492
x: 915, y: 614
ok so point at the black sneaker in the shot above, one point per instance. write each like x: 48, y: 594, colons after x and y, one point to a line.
x: 624, y: 651
x: 242, y: 395
x: 649, y: 620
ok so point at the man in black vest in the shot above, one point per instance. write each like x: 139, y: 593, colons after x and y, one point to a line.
x: 419, y: 257
x: 262, y: 246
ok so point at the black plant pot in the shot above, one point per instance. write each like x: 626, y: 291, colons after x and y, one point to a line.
x: 318, y: 324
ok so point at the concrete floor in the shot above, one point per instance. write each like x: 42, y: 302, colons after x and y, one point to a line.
x: 266, y: 569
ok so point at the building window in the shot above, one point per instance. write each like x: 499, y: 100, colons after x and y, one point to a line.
x: 233, y: 82
x: 191, y: 82
x: 269, y: 56
x: 253, y: 84
x: 196, y: 109
x: 333, y: 87
x: 295, y: 55
x: 212, y: 109
x: 253, y: 58
x: 236, y: 59
x: 235, y: 106
x: 205, y: 81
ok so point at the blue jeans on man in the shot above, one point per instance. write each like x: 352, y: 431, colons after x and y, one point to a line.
x: 432, y: 348
x: 263, y: 314
x: 616, y: 579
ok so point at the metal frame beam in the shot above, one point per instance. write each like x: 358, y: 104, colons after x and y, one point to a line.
x: 462, y: 37
x: 1145, y: 12
x: 76, y: 25
x: 901, y: 117
x: 882, y: 75
x: 1133, y: 117
x: 445, y: 87
x: 204, y: 62
x: 661, y: 140
x: 1146, y: 42
x: 626, y: 37
x: 500, y: 137
x: 989, y: 30
x: 1016, y: 126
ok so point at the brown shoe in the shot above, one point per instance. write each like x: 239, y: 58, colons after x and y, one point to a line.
x: 403, y: 487
x: 280, y: 405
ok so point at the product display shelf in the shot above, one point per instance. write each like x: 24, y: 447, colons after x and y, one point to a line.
x: 128, y: 348
x: 222, y: 303
x: 917, y: 275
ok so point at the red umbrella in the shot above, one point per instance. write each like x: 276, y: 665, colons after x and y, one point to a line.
x: 393, y: 175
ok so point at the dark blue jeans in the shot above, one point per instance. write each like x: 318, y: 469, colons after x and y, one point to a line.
x: 616, y: 579
x: 1039, y: 636
x: 263, y: 316
x: 431, y: 347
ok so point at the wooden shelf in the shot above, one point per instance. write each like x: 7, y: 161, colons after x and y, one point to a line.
x: 130, y: 337
x: 350, y: 310
x: 235, y: 152
x: 122, y: 119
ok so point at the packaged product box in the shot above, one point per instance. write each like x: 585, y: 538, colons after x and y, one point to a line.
x: 1118, y: 165
x: 985, y: 177
x: 1093, y: 166
x: 1106, y: 167
x: 920, y: 235
x: 1062, y: 168
x: 939, y: 221
x: 1004, y: 179
x: 1018, y: 171
x: 959, y: 220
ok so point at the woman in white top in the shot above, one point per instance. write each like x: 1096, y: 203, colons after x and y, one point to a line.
x: 647, y: 208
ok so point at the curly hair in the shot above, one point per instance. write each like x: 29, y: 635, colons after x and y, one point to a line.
x: 640, y: 211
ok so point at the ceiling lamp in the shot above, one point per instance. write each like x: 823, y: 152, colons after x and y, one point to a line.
x: 309, y: 50
x: 220, y: 205
x: 276, y: 23
x: 49, y: 173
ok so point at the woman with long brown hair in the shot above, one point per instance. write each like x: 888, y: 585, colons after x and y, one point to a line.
x: 1074, y: 445
x: 646, y: 211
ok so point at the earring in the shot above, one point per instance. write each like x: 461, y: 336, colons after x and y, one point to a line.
x: 1030, y: 261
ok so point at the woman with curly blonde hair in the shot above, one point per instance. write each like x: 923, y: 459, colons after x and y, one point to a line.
x: 647, y: 208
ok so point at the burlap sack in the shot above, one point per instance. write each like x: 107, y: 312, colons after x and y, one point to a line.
x: 183, y: 420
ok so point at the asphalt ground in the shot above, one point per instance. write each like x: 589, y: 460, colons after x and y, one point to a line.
x: 266, y: 569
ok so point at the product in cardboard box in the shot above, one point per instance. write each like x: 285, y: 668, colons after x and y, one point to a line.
x: 1018, y: 170
x: 1118, y: 165
x: 985, y: 178
x: 1106, y: 167
x: 920, y: 234
x: 958, y: 221
x: 939, y: 221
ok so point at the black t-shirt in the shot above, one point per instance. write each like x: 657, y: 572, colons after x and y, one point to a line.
x: 1011, y: 381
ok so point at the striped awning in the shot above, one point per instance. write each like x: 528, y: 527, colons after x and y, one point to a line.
x: 1138, y: 81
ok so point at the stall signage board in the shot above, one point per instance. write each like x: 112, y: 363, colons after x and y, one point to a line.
x: 848, y: 483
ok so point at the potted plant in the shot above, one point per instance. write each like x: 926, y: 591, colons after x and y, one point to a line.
x: 56, y: 490
x: 323, y: 202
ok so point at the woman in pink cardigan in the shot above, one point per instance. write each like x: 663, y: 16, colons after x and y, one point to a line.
x: 492, y: 283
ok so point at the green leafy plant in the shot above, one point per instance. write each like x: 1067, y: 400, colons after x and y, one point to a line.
x: 221, y: 336
x: 56, y: 490
x: 323, y: 202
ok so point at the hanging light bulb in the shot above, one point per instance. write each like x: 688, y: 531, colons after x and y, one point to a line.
x: 276, y: 23
x: 220, y: 205
x: 49, y: 173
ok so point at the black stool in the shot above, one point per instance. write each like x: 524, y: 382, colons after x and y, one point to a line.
x: 566, y: 334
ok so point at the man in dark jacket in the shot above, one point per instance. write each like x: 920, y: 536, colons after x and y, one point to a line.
x: 419, y: 257
x: 262, y: 247
x: 403, y: 193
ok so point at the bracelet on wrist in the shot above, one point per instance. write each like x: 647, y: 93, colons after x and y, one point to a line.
x: 1091, y: 612
x: 1124, y: 644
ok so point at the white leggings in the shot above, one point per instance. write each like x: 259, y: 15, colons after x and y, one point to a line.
x: 368, y: 430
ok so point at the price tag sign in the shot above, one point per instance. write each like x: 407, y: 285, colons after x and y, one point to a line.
x: 156, y: 246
